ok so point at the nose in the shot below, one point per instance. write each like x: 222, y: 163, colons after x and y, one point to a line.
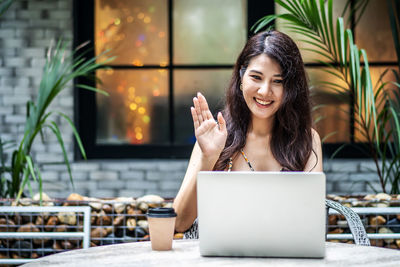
x: 265, y: 89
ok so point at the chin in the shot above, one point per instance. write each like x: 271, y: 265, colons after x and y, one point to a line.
x: 264, y: 116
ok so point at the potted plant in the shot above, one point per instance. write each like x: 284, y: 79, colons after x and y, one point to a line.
x: 59, y: 70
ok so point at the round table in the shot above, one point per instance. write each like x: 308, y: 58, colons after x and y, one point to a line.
x: 186, y: 253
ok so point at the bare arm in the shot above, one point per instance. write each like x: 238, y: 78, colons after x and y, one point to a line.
x: 185, y: 203
x: 314, y: 163
x: 211, y: 140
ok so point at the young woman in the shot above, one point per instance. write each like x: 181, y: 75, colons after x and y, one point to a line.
x: 266, y: 124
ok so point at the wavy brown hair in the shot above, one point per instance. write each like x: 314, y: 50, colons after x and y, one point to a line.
x: 291, y: 140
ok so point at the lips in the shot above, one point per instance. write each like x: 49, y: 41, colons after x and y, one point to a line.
x: 264, y: 103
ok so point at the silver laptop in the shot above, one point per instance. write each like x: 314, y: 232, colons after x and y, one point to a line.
x: 261, y: 214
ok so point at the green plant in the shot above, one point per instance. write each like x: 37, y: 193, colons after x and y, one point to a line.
x: 373, y: 108
x: 4, y: 5
x: 58, y: 71
x: 394, y: 102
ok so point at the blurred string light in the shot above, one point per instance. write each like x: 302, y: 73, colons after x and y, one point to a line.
x: 134, y: 95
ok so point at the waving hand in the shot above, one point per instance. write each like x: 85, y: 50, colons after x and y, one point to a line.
x: 211, y: 136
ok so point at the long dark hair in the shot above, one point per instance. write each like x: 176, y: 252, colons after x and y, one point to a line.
x: 291, y: 140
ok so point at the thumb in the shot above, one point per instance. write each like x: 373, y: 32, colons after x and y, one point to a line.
x: 221, y: 122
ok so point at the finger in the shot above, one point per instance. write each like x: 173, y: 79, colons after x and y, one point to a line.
x: 196, y: 123
x: 204, y: 107
x: 198, y: 110
x: 221, y: 122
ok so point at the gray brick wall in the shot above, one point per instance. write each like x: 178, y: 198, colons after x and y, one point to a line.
x: 26, y: 31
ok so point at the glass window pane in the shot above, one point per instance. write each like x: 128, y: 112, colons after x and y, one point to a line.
x: 376, y: 73
x: 373, y: 33
x: 136, y: 31
x: 332, y: 115
x: 211, y: 83
x: 308, y: 56
x: 209, y: 31
x: 136, y: 112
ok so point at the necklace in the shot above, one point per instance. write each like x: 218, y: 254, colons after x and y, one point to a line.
x: 230, y: 164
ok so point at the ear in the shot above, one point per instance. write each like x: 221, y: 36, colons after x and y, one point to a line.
x: 242, y: 71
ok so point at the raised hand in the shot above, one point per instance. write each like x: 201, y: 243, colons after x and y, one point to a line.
x: 211, y: 136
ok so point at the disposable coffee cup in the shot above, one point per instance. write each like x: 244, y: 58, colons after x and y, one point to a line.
x: 161, y: 227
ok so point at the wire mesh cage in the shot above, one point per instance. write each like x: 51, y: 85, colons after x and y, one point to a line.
x: 109, y: 221
x: 380, y: 217
x: 33, y: 231
x: 120, y: 220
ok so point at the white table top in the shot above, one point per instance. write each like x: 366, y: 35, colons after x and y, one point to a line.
x: 186, y: 253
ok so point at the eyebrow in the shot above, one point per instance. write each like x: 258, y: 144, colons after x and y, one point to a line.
x: 259, y: 72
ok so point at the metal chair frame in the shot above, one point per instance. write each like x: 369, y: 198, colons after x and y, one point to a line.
x: 356, y: 227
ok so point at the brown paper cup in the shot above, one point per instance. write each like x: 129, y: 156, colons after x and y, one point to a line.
x: 161, y: 227
x: 161, y: 232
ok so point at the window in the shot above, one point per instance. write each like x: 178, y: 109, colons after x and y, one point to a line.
x: 169, y: 49
x: 166, y: 50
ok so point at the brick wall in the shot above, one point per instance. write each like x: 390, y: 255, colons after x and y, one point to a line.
x: 26, y: 31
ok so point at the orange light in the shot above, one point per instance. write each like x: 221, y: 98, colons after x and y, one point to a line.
x: 163, y: 63
x: 138, y: 43
x: 137, y: 62
x: 133, y: 106
x: 156, y: 92
x: 161, y: 34
x: 120, y: 89
x: 138, y: 99
x: 147, y: 20
x: 141, y: 110
x: 139, y: 136
x: 129, y: 19
x: 138, y: 130
x: 110, y: 71
x: 140, y: 15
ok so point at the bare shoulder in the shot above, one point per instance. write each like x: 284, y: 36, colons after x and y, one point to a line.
x: 315, y: 160
x: 315, y: 136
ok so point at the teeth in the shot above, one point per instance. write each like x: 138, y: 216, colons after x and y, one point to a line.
x: 263, y: 102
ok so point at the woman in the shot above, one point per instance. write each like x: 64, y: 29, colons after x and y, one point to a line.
x: 265, y: 125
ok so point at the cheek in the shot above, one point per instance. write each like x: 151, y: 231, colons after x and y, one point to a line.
x: 280, y: 94
x: 246, y: 96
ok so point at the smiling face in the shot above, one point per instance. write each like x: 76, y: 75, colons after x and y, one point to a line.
x: 263, y: 86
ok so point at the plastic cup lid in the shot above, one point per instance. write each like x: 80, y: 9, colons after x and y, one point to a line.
x: 161, y: 212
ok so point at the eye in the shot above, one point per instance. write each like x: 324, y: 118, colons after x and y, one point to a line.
x: 255, y: 77
x: 278, y: 81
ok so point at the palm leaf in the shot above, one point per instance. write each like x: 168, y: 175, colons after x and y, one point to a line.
x: 94, y: 89
x: 4, y: 5
x: 76, y: 134
x: 328, y: 135
x: 394, y: 22
x: 25, y: 180
x: 53, y: 126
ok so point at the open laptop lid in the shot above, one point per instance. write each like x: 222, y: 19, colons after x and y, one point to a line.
x: 275, y: 214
